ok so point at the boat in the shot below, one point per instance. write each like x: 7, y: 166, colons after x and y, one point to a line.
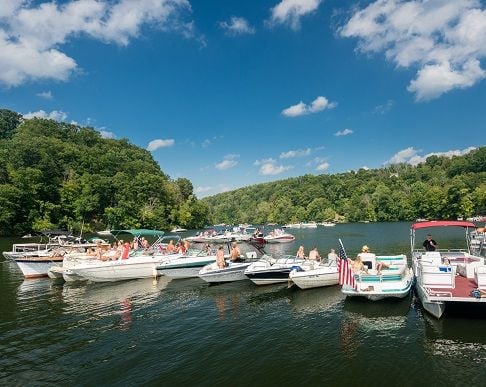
x: 308, y: 225
x: 233, y: 271
x: 477, y: 239
x: 279, y: 236
x: 185, y: 266
x: 393, y: 281
x: 448, y: 276
x: 268, y: 270
x: 178, y: 229
x: 327, y: 224
x: 314, y: 274
x: 140, y: 263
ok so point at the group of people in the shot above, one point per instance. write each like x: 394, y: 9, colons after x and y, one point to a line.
x: 180, y: 247
x: 332, y: 257
x: 235, y: 255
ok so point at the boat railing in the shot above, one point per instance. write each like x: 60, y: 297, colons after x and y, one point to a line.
x: 436, y: 276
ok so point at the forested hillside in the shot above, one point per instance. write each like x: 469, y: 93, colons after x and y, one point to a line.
x: 440, y: 188
x: 54, y: 174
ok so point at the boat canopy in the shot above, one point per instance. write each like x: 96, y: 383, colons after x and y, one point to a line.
x: 138, y: 232
x: 443, y: 223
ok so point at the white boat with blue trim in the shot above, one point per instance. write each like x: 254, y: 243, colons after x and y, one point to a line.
x: 394, y: 280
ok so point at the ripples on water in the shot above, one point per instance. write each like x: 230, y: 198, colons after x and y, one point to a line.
x: 185, y: 332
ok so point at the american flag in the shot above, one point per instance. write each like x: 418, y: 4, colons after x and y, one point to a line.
x: 346, y: 275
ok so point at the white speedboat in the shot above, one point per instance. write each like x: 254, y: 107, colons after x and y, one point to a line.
x: 178, y: 229
x: 279, y: 236
x: 269, y: 270
x: 233, y: 271
x: 185, y: 266
x: 393, y: 281
x: 448, y: 276
x: 313, y: 274
x: 308, y: 225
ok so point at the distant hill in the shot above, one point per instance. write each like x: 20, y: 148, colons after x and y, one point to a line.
x: 440, y: 188
x: 59, y: 175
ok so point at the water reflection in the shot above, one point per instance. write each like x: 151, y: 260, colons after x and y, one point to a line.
x: 316, y: 300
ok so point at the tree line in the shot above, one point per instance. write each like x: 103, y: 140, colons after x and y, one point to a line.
x: 439, y: 188
x: 60, y: 175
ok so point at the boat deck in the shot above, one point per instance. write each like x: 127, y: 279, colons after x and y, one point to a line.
x: 461, y: 291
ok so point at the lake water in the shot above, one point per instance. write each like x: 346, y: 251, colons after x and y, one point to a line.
x: 184, y: 332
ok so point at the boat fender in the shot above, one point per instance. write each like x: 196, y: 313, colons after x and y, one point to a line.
x: 476, y: 293
x: 296, y: 268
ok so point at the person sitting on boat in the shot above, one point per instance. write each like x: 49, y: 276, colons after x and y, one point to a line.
x: 429, y: 244
x: 332, y: 258
x: 257, y: 233
x: 300, y: 253
x: 187, y: 244
x: 314, y: 254
x: 220, y: 257
x: 145, y: 243
x: 358, y: 265
x: 367, y: 258
x: 235, y: 255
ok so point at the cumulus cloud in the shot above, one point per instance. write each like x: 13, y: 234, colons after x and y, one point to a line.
x: 290, y: 12
x: 344, y: 132
x: 443, y: 39
x: 237, y: 26
x: 295, y: 153
x: 200, y: 190
x: 322, y: 167
x: 56, y: 115
x: 159, y: 143
x: 318, y: 105
x: 411, y: 156
x: 228, y: 162
x: 32, y: 34
x: 270, y: 167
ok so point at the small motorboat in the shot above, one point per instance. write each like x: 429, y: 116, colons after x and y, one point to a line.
x: 185, y: 266
x: 233, y: 271
x: 314, y: 274
x: 279, y: 236
x: 268, y: 270
x: 178, y: 229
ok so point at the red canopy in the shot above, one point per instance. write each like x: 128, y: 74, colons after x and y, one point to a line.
x: 443, y: 223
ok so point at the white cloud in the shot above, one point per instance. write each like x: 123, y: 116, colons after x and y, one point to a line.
x: 206, y: 143
x: 443, y: 39
x: 32, y: 34
x: 270, y: 167
x: 45, y: 94
x: 291, y: 11
x: 411, y: 156
x: 322, y: 167
x: 295, y: 153
x: 200, y: 190
x: 318, y: 105
x: 237, y: 26
x: 159, y: 143
x: 344, y: 132
x: 56, y: 115
x: 107, y: 134
x: 228, y: 162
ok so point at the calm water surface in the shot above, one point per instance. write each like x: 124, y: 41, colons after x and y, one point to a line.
x: 184, y: 332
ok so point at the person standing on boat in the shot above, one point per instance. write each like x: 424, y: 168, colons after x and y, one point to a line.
x: 300, y: 253
x: 314, y: 254
x: 429, y: 244
x: 220, y: 257
x: 235, y: 252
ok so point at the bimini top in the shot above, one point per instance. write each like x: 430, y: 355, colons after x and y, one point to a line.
x: 138, y: 232
x: 443, y: 223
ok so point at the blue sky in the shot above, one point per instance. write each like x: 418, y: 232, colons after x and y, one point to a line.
x: 234, y: 93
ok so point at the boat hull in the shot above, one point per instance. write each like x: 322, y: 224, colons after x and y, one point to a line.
x: 120, y: 270
x: 183, y: 269
x: 314, y: 279
x: 231, y: 273
x: 36, y: 268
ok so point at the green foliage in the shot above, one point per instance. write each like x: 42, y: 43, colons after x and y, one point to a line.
x: 59, y: 175
x: 440, y: 188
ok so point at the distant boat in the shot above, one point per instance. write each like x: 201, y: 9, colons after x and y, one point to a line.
x: 178, y: 229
